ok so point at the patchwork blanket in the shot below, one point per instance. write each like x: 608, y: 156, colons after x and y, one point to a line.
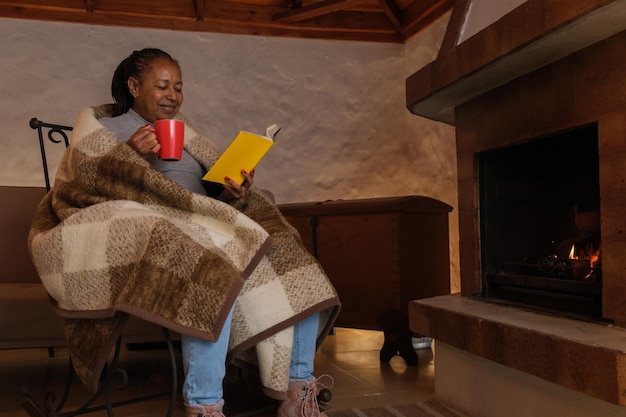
x: 114, y: 237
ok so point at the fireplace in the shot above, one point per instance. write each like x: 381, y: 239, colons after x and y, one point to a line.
x: 540, y: 224
x: 557, y: 104
x: 519, y: 92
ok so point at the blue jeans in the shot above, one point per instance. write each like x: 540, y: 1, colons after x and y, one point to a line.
x: 204, y: 362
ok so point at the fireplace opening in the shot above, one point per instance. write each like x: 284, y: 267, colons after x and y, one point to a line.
x: 540, y: 224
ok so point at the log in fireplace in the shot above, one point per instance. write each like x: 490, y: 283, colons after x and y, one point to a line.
x: 540, y: 223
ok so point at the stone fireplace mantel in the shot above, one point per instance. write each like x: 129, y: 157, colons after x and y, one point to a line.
x: 528, y: 38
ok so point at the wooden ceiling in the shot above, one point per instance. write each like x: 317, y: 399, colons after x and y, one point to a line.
x: 360, y: 20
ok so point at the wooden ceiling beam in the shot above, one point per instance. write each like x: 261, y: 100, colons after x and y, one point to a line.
x: 314, y: 10
x: 364, y: 20
x: 421, y: 14
x: 43, y: 5
x: 393, y: 13
x: 198, y: 5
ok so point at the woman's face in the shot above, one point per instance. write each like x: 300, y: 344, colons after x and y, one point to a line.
x: 159, y: 92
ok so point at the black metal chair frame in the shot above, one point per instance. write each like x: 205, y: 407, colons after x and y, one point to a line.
x: 46, y: 408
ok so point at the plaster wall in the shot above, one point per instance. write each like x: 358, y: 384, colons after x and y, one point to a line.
x: 482, y: 13
x: 346, y: 131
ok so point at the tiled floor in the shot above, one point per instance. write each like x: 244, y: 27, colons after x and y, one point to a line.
x: 350, y: 356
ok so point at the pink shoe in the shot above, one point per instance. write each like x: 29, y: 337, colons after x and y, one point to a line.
x: 205, y: 410
x: 301, y: 400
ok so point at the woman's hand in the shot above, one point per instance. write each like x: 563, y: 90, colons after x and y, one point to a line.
x: 234, y: 191
x: 144, y: 141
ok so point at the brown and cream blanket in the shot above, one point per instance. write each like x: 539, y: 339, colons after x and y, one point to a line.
x: 114, y: 237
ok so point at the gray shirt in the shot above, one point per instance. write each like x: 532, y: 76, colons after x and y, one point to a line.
x: 187, y: 172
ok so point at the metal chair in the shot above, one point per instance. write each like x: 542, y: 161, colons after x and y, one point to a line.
x: 45, y: 407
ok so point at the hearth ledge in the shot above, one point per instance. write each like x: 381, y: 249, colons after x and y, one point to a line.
x: 586, y: 357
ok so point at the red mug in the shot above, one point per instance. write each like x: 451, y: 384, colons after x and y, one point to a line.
x: 171, y: 136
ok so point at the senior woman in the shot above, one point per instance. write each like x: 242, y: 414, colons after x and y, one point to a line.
x: 208, y: 256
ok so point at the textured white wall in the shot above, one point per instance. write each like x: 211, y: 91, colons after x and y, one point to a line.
x: 346, y: 130
x: 482, y: 13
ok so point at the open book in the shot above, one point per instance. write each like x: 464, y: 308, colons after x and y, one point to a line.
x: 244, y: 152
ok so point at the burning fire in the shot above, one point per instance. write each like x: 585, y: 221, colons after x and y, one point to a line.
x: 592, y: 255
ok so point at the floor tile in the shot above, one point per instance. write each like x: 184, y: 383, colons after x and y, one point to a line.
x: 350, y: 356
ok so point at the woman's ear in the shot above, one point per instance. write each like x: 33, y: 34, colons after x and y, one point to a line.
x: 133, y: 86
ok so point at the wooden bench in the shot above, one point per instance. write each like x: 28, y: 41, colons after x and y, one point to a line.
x: 380, y: 254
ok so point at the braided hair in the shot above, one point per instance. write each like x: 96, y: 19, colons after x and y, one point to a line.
x: 133, y: 66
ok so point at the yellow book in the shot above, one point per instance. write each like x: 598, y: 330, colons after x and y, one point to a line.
x: 244, y: 152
